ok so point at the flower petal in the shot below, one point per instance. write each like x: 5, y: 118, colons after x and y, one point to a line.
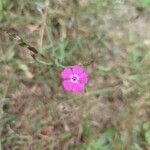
x: 68, y: 85
x: 77, y: 88
x: 83, y: 78
x: 66, y: 73
x: 77, y: 69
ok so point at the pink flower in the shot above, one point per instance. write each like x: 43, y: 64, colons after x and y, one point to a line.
x: 75, y: 78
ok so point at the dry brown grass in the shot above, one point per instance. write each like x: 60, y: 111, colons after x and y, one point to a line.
x: 113, y: 111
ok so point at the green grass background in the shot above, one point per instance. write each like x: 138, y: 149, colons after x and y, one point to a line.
x: 113, y: 111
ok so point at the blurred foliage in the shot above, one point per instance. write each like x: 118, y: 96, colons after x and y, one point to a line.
x: 113, y: 112
x: 146, y: 128
x: 146, y: 1
x: 103, y: 142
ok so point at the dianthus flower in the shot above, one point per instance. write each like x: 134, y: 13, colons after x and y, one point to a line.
x: 75, y: 78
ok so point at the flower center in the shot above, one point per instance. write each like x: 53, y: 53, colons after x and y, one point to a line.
x: 74, y: 78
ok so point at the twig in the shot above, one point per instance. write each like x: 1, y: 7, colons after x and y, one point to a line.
x: 13, y: 35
